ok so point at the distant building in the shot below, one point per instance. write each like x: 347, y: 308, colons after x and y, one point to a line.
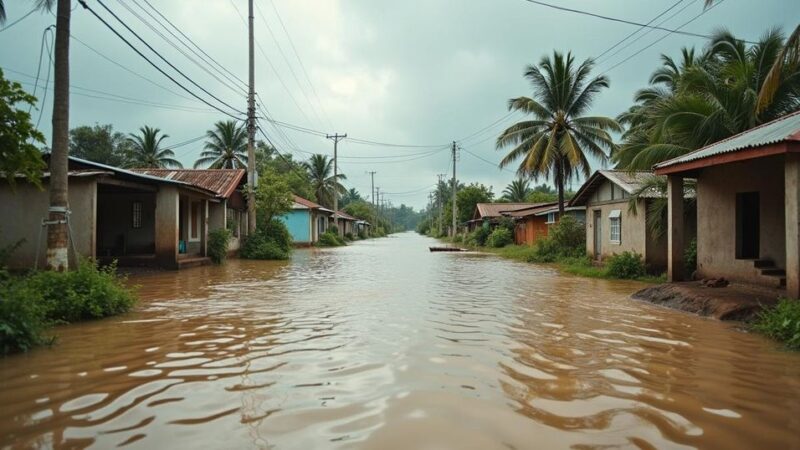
x: 488, y: 214
x: 612, y: 227
x: 115, y: 214
x: 748, y: 206
x: 533, y: 224
x: 346, y: 224
x: 306, y: 221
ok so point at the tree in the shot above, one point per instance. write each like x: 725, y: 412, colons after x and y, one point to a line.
x: 555, y: 143
x: 324, y: 184
x: 466, y: 199
x: 352, y: 195
x: 99, y: 144
x: 18, y: 155
x: 517, y: 191
x: 146, y: 150
x: 295, y: 174
x: 273, y: 196
x: 226, y: 147
x: 360, y: 210
x: 711, y: 95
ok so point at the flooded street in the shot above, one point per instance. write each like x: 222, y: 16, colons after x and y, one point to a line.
x: 384, y: 345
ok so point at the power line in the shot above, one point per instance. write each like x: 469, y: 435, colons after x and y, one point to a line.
x: 288, y: 64
x: 299, y: 60
x: 203, y: 66
x: 662, y: 38
x: 18, y: 20
x: 85, y: 6
x: 629, y: 22
x: 49, y: 66
x: 194, y: 44
x: 488, y: 162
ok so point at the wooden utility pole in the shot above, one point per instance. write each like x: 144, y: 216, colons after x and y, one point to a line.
x: 336, y: 138
x: 251, y: 128
x: 372, y: 188
x: 455, y: 188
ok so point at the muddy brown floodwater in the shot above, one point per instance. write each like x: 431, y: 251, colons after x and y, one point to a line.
x: 384, y: 345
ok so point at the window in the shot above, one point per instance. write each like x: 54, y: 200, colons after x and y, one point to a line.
x: 551, y: 217
x: 615, y: 226
x: 136, y: 214
x: 194, y: 221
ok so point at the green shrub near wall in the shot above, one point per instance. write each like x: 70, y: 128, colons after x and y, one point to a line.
x: 782, y: 323
x: 499, y: 237
x: 270, y: 241
x: 329, y: 239
x: 31, y: 304
x: 218, y: 241
x: 626, y: 265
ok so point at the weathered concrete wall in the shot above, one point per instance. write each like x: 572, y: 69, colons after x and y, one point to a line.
x: 634, y: 231
x: 716, y: 216
x: 24, y: 209
x: 116, y: 235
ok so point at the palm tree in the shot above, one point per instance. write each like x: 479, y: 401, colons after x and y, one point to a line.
x: 556, y: 141
x: 352, y: 195
x: 146, y: 150
x: 226, y: 147
x: 517, y: 190
x: 325, y: 186
x: 726, y: 90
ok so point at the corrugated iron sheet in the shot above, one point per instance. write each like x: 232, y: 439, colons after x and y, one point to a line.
x: 223, y: 182
x: 786, y: 128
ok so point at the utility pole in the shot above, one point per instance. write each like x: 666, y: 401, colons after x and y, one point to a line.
x: 251, y: 129
x: 372, y: 190
x: 439, y: 201
x: 455, y: 188
x: 336, y: 138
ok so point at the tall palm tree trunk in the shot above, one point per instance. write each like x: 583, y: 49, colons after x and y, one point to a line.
x: 57, y: 231
x: 560, y: 176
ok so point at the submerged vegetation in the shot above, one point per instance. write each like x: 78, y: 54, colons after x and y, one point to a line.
x: 781, y: 322
x: 32, y: 304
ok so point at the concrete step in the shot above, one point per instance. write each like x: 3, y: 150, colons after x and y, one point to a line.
x: 763, y: 263
x: 773, y: 272
x: 186, y: 262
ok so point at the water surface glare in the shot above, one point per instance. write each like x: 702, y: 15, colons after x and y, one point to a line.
x: 384, y: 345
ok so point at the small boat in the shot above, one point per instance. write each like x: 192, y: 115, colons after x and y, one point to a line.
x: 445, y: 249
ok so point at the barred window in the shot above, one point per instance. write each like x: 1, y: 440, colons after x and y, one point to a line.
x: 136, y: 214
x: 616, y: 230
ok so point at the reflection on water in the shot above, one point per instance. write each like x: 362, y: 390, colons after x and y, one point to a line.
x: 384, y: 345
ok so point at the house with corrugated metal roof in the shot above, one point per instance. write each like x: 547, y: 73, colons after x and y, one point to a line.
x: 346, y: 224
x: 748, y: 206
x: 132, y: 217
x: 306, y: 221
x: 533, y: 224
x: 613, y: 226
x: 488, y: 214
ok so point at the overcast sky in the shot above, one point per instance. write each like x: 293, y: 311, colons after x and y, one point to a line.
x: 401, y: 72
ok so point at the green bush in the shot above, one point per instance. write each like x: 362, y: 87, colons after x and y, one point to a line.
x: 271, y: 240
x: 218, y: 241
x: 566, y: 239
x: 782, y: 323
x: 333, y: 229
x: 457, y: 239
x: 349, y: 237
x: 500, y: 237
x: 626, y: 265
x: 690, y: 257
x: 362, y: 234
x: 328, y: 239
x: 31, y: 304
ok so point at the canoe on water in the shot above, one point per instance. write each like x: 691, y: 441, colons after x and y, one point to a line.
x: 445, y: 249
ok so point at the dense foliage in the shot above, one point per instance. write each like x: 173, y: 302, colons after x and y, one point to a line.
x: 781, y: 322
x: 500, y: 237
x: 218, y: 241
x: 18, y: 155
x: 100, y: 143
x: 626, y: 265
x: 565, y: 239
x: 270, y: 241
x: 330, y: 239
x: 29, y: 305
x: 226, y: 147
x: 146, y: 150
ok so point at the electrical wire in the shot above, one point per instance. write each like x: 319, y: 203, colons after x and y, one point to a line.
x: 18, y: 20
x: 85, y: 6
x: 47, y: 80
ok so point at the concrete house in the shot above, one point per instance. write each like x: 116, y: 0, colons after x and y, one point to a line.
x: 490, y: 213
x: 346, y: 223
x: 306, y: 221
x: 748, y: 206
x: 533, y: 224
x: 115, y: 214
x: 611, y: 227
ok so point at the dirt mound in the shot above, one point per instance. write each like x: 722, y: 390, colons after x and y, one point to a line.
x: 732, y: 302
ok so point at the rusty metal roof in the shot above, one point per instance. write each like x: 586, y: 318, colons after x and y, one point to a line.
x: 530, y: 211
x: 302, y: 203
x: 345, y: 216
x: 786, y: 128
x: 223, y: 182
